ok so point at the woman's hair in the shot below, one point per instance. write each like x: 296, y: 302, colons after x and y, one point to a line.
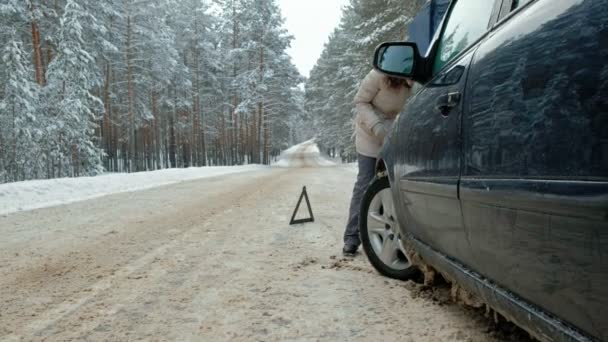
x: 395, y: 82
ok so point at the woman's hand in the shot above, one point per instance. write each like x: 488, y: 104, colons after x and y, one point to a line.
x: 382, y: 128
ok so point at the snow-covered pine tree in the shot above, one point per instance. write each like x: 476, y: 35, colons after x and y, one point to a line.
x: 100, y: 39
x: 197, y: 41
x: 329, y: 93
x: 272, y: 78
x: 254, y: 45
x: 139, y: 93
x: 232, y: 32
x: 283, y: 105
x: 20, y: 130
x: 73, y: 109
x: 159, y: 83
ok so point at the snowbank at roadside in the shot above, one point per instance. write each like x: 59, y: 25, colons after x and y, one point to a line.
x: 36, y: 194
x: 306, y: 154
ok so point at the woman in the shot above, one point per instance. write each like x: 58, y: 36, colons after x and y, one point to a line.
x: 379, y: 99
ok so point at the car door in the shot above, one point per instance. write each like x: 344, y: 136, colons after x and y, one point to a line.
x: 428, y: 135
x: 534, y: 187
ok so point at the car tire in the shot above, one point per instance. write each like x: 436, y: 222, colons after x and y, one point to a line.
x: 380, y: 235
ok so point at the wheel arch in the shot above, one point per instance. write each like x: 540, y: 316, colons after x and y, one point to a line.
x: 380, y: 167
x: 385, y: 161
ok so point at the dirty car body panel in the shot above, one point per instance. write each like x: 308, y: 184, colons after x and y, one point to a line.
x: 506, y: 190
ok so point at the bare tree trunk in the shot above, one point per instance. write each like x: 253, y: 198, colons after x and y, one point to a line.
x: 116, y: 149
x: 47, y: 61
x: 195, y: 124
x: 248, y: 127
x: 266, y: 142
x: 106, y: 130
x: 196, y: 110
x: 75, y: 169
x: 13, y: 162
x: 2, y: 156
x: 203, y: 144
x: 173, y: 142
x: 37, y: 50
x: 156, y: 130
x: 260, y: 107
x: 235, y: 34
x: 254, y: 132
x: 243, y: 139
x: 224, y: 142
x: 130, y: 94
x: 259, y: 133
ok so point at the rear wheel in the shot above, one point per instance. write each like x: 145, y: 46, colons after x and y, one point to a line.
x: 380, y: 236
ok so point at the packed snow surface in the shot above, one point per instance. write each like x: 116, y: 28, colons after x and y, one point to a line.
x: 212, y: 260
x: 45, y: 193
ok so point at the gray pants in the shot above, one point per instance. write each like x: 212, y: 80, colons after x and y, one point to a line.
x: 367, y: 167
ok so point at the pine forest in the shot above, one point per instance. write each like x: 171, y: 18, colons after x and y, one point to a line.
x: 88, y: 86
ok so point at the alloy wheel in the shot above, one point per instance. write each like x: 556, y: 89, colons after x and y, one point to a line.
x: 383, y: 232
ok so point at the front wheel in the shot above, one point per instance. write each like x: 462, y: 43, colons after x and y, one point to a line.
x: 380, y: 235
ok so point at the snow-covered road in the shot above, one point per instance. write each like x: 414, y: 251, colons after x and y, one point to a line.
x: 212, y: 259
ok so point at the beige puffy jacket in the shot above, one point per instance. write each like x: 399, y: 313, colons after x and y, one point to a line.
x: 376, y: 103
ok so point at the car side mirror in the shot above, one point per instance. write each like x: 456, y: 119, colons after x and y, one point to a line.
x: 399, y: 59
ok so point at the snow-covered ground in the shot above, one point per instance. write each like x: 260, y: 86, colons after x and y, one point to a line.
x: 211, y: 260
x: 45, y: 193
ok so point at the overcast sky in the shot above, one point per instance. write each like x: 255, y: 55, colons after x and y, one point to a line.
x: 310, y: 22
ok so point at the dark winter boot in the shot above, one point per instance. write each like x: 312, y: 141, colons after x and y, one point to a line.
x: 349, y: 249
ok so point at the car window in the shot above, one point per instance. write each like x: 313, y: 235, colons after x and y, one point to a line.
x: 518, y: 3
x: 468, y: 20
x: 508, y: 6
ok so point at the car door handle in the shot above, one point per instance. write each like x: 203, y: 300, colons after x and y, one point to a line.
x: 445, y: 103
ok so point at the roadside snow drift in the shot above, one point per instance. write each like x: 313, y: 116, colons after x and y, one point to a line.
x: 306, y: 154
x: 45, y: 193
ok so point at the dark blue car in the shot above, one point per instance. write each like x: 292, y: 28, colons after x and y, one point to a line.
x: 496, y: 173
